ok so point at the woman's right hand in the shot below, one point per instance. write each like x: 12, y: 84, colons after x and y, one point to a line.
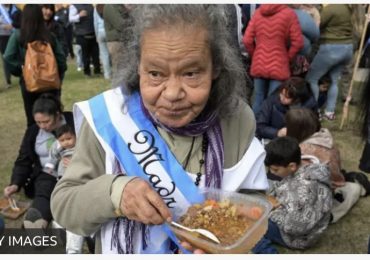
x: 9, y: 190
x: 140, y: 202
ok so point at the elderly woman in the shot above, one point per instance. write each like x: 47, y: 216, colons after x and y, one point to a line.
x: 178, y: 124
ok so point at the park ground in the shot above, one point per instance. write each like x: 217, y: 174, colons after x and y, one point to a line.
x: 348, y: 236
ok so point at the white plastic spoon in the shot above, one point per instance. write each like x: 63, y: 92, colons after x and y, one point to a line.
x: 200, y: 231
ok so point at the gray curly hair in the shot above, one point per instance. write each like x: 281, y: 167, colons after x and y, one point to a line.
x: 230, y: 85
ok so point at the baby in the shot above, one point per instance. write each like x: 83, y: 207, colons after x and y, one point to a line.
x: 61, y: 151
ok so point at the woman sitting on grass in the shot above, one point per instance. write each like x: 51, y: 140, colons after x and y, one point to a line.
x: 317, y: 144
x: 33, y: 155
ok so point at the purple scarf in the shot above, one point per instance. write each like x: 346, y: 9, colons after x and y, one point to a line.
x: 209, y: 126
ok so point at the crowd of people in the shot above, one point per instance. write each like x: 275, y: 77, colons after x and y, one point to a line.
x: 222, y: 96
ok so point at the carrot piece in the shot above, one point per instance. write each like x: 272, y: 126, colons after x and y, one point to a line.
x: 255, y: 213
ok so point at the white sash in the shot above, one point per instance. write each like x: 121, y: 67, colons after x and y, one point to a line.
x: 249, y: 173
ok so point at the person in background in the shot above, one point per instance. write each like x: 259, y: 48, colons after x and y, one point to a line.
x: 55, y: 27
x: 335, y: 51
x: 33, y: 154
x: 62, y: 16
x: 294, y: 92
x: 6, y: 19
x: 303, y: 194
x: 324, y: 84
x: 317, y: 144
x: 61, y: 151
x: 32, y: 29
x: 102, y: 41
x: 313, y: 11
x: 2, y: 225
x: 82, y: 15
x: 184, y: 88
x: 117, y: 20
x: 310, y: 30
x: 364, y: 119
x: 266, y: 41
x: 304, y: 125
x: 60, y: 155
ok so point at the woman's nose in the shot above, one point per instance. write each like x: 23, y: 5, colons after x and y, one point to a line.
x: 173, y: 89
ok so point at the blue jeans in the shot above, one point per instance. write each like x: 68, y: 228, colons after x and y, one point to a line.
x: 330, y: 59
x: 264, y: 246
x: 104, y: 55
x: 262, y: 89
x: 78, y: 54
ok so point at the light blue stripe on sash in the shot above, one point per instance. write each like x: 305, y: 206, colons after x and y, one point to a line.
x: 109, y: 133
x: 111, y: 136
x: 170, y: 163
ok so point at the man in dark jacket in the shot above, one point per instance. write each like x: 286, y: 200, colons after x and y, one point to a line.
x: 83, y: 17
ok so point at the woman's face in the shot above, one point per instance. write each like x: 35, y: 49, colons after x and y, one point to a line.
x: 47, y: 122
x: 47, y: 13
x: 175, y: 73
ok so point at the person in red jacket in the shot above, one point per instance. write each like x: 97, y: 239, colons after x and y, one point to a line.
x: 272, y: 39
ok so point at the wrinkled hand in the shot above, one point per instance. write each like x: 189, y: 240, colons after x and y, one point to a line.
x: 9, y: 190
x: 190, y: 248
x: 142, y: 203
x: 66, y: 161
x: 282, y: 132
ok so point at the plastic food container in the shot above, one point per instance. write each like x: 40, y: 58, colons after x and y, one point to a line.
x: 246, y: 241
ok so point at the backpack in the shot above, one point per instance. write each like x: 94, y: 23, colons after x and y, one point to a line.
x: 40, y: 70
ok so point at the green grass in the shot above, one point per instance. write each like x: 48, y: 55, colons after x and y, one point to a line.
x: 13, y: 121
x: 349, y: 235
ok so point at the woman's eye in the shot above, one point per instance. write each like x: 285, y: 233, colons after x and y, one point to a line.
x: 191, y: 74
x: 154, y: 74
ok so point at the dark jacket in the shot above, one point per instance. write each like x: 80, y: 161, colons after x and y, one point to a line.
x: 86, y: 24
x: 57, y: 29
x: 271, y: 118
x: 27, y: 166
x: 15, y: 54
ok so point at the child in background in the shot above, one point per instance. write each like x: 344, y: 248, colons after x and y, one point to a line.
x: 303, y: 193
x: 294, y: 92
x: 324, y: 84
x: 61, y: 151
x: 59, y: 157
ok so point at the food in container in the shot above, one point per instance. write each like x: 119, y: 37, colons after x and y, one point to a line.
x: 239, y: 221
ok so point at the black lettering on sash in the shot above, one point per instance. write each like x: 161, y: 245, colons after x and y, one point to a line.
x: 145, y: 137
